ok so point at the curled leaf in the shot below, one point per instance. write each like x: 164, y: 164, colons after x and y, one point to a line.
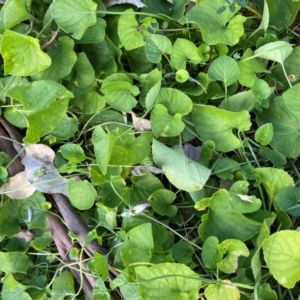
x: 18, y: 187
x: 137, y: 3
x: 139, y: 123
x: 137, y: 170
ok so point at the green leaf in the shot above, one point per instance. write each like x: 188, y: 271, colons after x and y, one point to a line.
x: 74, y: 16
x: 101, y: 265
x: 225, y: 69
x: 168, y: 281
x: 111, y: 191
x: 166, y: 116
x: 150, y: 88
x: 164, y: 124
x: 289, y: 200
x: 72, y: 152
x: 141, y: 189
x: 256, y: 259
x: 85, y: 74
x: 138, y: 61
x: 282, y: 13
x: 22, y: 55
x: 282, y: 257
x: 261, y: 89
x: 264, y: 19
x: 12, y: 289
x: 216, y: 124
x: 82, y: 194
x: 227, y: 208
x: 138, y: 245
x: 129, y: 150
x: 264, y: 291
x: 3, y: 173
x: 264, y: 134
x: 100, y: 291
x: 186, y: 175
x: 130, y: 33
x: 104, y: 56
x: 175, y: 101
x: 277, y: 158
x: 63, y: 286
x: 106, y: 215
x: 40, y: 243
x: 249, y: 68
x: 63, y: 59
x: 14, y: 12
x: 66, y: 128
x: 286, y: 137
x: 41, y: 117
x: 156, y: 45
x: 228, y: 291
x: 233, y: 250
x: 95, y: 33
x: 119, y: 92
x: 90, y: 103
x: 239, y: 102
x: 182, y: 252
x: 225, y: 167
x: 161, y: 202
x: 227, y: 27
x: 291, y: 67
x: 291, y: 99
x: 103, y: 144
x: 211, y: 254
x: 179, y: 58
x: 174, y: 10
x: 14, y: 262
x: 274, y: 180
x: 182, y: 76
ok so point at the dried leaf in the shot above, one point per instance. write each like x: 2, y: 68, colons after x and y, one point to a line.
x: 139, y: 123
x: 245, y: 198
x: 41, y: 171
x: 24, y: 234
x: 137, y: 3
x: 137, y: 170
x: 18, y: 187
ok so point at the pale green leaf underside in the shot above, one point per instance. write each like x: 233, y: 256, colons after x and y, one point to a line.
x: 185, y: 174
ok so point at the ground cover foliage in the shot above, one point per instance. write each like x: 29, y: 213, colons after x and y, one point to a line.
x: 173, y: 129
